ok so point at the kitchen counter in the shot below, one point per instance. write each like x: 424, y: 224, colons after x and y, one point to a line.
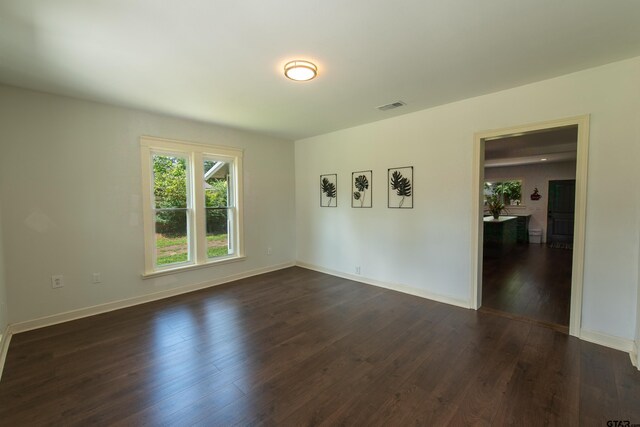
x: 500, y: 235
x: 500, y: 218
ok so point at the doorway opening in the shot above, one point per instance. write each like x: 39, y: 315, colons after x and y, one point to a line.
x: 529, y: 255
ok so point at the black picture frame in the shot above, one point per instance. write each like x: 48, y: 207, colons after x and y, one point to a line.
x: 400, y: 188
x: 329, y: 190
x: 362, y: 189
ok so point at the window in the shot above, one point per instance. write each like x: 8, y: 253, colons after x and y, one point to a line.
x: 510, y: 191
x: 219, y: 205
x: 192, y: 210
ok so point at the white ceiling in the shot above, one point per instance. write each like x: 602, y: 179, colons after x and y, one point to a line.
x: 221, y: 61
x: 552, y: 145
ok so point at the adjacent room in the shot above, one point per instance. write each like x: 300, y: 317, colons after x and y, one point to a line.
x: 319, y: 213
x: 528, y: 225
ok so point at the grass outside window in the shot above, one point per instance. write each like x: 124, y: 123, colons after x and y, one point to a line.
x: 174, y: 249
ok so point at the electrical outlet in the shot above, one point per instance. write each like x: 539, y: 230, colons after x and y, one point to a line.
x: 57, y: 281
x: 96, y: 278
x: 269, y: 250
x: 357, y: 269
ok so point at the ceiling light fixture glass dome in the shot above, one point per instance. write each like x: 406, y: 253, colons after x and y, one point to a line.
x: 300, y: 70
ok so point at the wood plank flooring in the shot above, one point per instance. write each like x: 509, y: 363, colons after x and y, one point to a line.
x: 297, y: 347
x: 531, y: 281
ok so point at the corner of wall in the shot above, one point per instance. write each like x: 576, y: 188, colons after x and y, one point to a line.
x: 4, y: 316
x: 635, y: 354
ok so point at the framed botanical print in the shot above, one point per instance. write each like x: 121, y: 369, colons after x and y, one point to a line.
x: 361, y: 189
x: 329, y: 191
x: 400, y: 182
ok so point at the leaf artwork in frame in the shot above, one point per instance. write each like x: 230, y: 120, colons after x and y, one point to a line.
x: 361, y: 189
x: 400, y: 181
x: 329, y: 191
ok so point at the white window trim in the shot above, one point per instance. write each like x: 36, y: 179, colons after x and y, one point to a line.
x: 197, y: 226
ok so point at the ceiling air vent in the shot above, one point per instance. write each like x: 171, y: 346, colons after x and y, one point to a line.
x: 391, y: 106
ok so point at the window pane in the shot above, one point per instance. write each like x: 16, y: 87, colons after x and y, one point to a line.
x: 172, y: 243
x: 510, y: 192
x: 169, y: 181
x: 216, y: 183
x: 217, y: 233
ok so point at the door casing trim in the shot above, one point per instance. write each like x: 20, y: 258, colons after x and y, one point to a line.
x: 582, y: 158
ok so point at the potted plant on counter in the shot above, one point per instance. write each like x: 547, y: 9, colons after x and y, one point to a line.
x: 495, y: 205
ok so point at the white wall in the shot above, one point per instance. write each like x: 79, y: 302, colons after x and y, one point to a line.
x: 428, y: 248
x: 536, y: 175
x: 70, y: 190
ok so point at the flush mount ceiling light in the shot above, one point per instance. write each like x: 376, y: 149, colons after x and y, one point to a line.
x: 300, y: 70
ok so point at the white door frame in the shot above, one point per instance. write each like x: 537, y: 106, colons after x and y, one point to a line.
x: 577, y: 271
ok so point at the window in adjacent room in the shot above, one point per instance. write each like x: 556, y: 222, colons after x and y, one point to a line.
x: 192, y: 211
x: 509, y: 190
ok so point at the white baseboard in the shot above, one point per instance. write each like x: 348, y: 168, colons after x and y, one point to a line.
x: 616, y: 343
x: 116, y: 305
x: 606, y: 340
x: 392, y: 286
x: 5, y: 339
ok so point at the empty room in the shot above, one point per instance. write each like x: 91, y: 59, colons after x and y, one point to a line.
x: 319, y: 213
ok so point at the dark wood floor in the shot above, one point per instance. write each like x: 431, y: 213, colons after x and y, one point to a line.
x: 296, y: 347
x: 532, y: 281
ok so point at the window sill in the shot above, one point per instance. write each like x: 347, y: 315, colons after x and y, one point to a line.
x: 190, y: 267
